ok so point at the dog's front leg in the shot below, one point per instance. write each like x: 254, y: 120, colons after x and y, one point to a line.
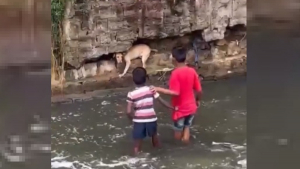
x: 126, y: 68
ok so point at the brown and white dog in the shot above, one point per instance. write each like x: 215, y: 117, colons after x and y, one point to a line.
x: 138, y: 51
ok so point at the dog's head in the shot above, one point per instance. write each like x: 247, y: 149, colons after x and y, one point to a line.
x: 119, y: 57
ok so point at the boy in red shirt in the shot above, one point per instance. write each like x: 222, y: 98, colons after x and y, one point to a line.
x: 183, y: 81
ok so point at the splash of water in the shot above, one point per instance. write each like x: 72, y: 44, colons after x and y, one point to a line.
x: 131, y: 162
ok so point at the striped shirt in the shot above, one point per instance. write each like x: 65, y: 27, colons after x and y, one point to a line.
x: 142, y: 99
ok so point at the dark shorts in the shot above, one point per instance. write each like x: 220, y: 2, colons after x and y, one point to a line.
x: 142, y: 130
x: 183, y: 122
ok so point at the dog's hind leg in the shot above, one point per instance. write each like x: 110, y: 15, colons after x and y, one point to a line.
x: 144, y: 60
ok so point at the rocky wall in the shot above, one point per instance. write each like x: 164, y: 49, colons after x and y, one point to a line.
x: 95, y: 27
x: 227, y: 57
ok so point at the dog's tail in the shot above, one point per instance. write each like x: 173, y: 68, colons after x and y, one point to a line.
x: 154, y: 50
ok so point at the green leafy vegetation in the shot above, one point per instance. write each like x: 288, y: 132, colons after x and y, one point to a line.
x: 57, y: 14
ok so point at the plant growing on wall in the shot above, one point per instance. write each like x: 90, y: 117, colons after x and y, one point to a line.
x: 57, y: 15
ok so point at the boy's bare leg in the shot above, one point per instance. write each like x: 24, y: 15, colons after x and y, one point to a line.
x: 178, y: 135
x: 137, y: 146
x: 178, y: 129
x: 186, y: 135
x: 155, y: 141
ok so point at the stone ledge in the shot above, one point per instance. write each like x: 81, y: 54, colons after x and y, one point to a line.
x: 101, y: 93
x: 210, y: 70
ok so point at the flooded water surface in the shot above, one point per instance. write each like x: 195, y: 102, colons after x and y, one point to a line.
x: 96, y: 134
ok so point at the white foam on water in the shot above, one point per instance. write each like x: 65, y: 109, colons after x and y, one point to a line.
x: 105, y: 102
x: 217, y: 150
x: 240, y: 149
x: 243, y: 163
x: 62, y: 162
x: 231, y: 145
x: 146, y: 161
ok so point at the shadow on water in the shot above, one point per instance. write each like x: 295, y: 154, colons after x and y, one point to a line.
x: 96, y: 133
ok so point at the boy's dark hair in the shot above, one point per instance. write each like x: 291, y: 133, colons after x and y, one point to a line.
x: 139, y: 76
x: 179, y: 54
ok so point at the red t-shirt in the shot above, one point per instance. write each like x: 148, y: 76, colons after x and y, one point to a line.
x: 184, y: 80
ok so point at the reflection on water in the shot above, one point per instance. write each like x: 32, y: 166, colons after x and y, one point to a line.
x: 95, y: 133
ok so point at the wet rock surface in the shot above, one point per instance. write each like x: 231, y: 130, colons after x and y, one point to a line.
x: 221, y: 61
x: 225, y: 58
x: 94, y: 28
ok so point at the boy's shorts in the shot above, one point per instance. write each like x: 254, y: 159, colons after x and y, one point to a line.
x: 183, y: 122
x: 142, y: 130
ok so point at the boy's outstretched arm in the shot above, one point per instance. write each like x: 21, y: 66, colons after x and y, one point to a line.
x: 166, y: 91
x: 174, y: 87
x: 163, y: 102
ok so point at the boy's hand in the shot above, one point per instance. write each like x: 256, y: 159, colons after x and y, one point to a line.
x: 198, y: 103
x: 153, y: 89
x: 156, y: 95
x: 154, y: 92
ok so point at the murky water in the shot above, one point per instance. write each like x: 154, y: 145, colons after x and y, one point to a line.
x: 95, y: 134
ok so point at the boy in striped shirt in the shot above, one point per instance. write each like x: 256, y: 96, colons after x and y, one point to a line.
x: 144, y: 118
